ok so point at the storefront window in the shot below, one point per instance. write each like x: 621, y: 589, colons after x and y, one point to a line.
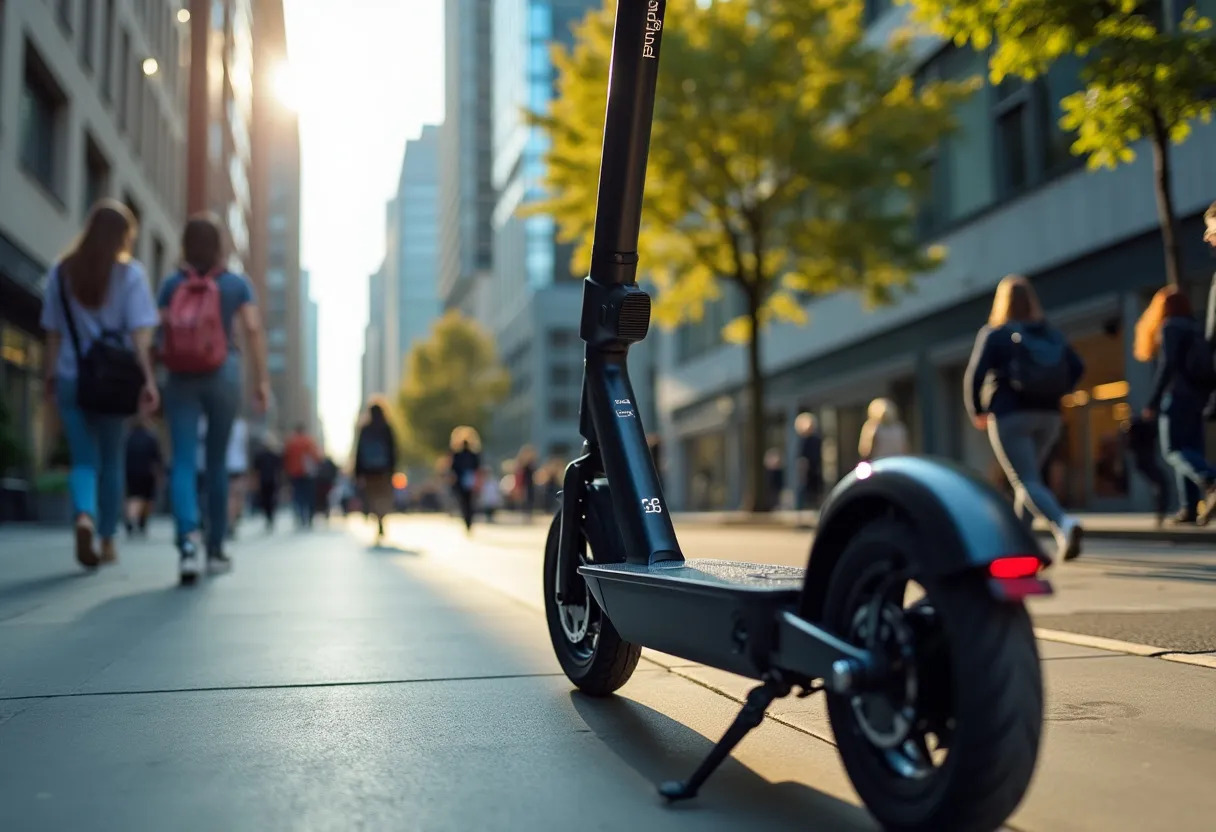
x: 1088, y: 468
x: 706, y: 471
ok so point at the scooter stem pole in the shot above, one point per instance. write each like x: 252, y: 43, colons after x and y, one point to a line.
x: 633, y: 77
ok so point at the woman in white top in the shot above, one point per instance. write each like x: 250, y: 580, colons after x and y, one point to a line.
x: 238, y: 470
x: 882, y: 434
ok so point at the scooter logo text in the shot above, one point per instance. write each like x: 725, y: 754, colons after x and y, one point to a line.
x: 653, y: 24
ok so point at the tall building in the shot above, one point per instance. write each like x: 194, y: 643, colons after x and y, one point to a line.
x: 409, y: 278
x: 373, y: 338
x: 274, y: 259
x: 417, y: 271
x: 534, y: 304
x: 1007, y: 197
x: 467, y: 192
x: 310, y: 339
x: 92, y: 104
x: 221, y: 89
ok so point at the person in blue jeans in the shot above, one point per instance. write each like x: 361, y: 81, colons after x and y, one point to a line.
x: 106, y: 292
x: 215, y: 396
x: 1023, y: 424
x: 1167, y: 330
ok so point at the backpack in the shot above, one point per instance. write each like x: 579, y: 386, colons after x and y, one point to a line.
x: 1038, y: 367
x: 194, y: 336
x: 109, y: 377
x: 374, y: 455
x: 1198, y: 363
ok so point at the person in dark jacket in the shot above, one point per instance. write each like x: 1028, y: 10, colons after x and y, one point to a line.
x: 1168, y: 330
x: 268, y: 466
x: 144, y: 465
x: 1140, y: 436
x: 464, y: 466
x: 375, y: 463
x: 810, y: 462
x: 1021, y: 414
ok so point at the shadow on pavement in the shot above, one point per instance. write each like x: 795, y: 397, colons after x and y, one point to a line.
x: 391, y: 549
x: 20, y: 589
x: 1158, y: 569
x: 660, y: 748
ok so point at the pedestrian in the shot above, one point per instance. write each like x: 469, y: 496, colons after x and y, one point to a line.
x: 464, y: 465
x: 1141, y: 441
x: 97, y: 299
x: 882, y: 434
x: 774, y: 478
x: 810, y: 462
x: 1019, y: 371
x: 268, y: 465
x: 200, y: 305
x: 489, y: 496
x: 144, y: 464
x: 301, y: 456
x: 375, y: 464
x: 1209, y: 330
x: 327, y: 475
x: 1169, y: 332
x: 525, y: 481
x: 238, y: 473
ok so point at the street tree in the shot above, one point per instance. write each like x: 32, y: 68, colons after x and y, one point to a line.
x: 1147, y: 74
x: 452, y: 378
x: 785, y: 162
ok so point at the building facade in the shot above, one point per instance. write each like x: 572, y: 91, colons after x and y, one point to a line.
x: 1007, y: 198
x: 373, y: 339
x: 534, y: 300
x: 92, y: 104
x: 466, y: 189
x: 274, y: 255
x: 417, y: 237
x: 219, y: 149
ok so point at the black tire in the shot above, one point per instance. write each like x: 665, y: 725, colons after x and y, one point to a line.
x: 993, y: 693
x: 608, y: 663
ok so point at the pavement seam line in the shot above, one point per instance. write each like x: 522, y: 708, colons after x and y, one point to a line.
x: 292, y: 686
x: 1130, y: 648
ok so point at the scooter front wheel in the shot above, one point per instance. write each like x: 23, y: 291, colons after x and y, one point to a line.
x: 948, y: 737
x: 591, y: 652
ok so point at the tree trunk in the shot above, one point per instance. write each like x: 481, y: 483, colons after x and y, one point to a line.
x: 754, y: 495
x: 1165, y: 202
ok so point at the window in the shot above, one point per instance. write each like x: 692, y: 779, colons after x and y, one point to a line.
x: 277, y: 337
x: 276, y: 278
x: 124, y: 75
x: 107, y: 52
x: 1063, y: 79
x: 276, y: 362
x: 562, y: 410
x: 40, y: 119
x: 86, y: 34
x: 559, y: 375
x: 875, y: 9
x: 96, y: 174
x: 139, y: 91
x: 560, y: 339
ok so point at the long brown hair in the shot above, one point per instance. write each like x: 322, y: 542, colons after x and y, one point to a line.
x: 1169, y: 302
x: 203, y: 242
x: 1015, y: 300
x: 105, y: 240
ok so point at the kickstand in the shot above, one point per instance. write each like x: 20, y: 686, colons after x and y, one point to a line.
x: 758, y: 700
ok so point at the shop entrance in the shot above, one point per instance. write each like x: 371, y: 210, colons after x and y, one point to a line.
x: 1088, y: 469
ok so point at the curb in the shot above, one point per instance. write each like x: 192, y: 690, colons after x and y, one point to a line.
x: 1129, y: 648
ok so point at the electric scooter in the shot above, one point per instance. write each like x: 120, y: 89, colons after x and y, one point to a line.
x: 909, y: 614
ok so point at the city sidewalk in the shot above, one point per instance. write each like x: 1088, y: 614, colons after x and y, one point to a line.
x: 1131, y: 526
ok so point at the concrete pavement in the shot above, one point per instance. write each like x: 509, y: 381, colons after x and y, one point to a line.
x: 329, y: 685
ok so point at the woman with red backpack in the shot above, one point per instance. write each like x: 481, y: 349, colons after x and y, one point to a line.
x: 200, y: 306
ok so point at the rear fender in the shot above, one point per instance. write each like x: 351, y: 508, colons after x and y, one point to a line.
x: 963, y: 524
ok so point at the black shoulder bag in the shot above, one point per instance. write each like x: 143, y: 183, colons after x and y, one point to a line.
x: 109, y: 379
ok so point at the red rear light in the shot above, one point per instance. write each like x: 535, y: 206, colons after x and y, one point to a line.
x: 1015, y: 566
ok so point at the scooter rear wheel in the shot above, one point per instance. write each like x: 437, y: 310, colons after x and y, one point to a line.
x: 949, y: 738
x: 591, y: 652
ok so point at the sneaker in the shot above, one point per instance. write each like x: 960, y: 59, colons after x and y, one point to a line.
x: 85, y: 555
x: 191, y: 561
x: 218, y: 562
x: 1068, y: 539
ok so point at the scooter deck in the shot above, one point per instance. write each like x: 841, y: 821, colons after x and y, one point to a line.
x: 715, y: 612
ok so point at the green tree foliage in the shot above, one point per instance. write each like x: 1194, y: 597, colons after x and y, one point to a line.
x: 1145, y: 75
x: 784, y: 154
x: 452, y: 378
